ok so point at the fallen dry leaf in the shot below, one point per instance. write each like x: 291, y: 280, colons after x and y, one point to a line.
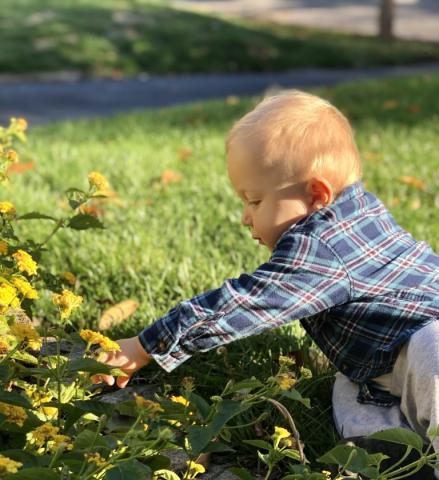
x: 413, y: 182
x: 390, y: 104
x: 170, y: 176
x: 117, y: 314
x: 20, y: 167
x: 185, y: 153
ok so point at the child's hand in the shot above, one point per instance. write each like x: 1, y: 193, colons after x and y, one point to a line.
x: 129, y: 359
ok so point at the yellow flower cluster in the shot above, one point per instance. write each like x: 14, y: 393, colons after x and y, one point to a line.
x: 7, y: 209
x: 19, y: 124
x: 327, y: 474
x: 47, y: 436
x: 8, y: 466
x: 95, y: 458
x: 25, y: 262
x: 96, y: 338
x: 67, y: 301
x: 13, y: 413
x: 25, y: 288
x: 3, y: 247
x: 4, y: 347
x: 98, y: 181
x: 8, y: 297
x: 26, y: 333
x: 152, y: 408
x: 285, y: 380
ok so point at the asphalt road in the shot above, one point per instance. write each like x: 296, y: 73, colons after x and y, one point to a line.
x: 43, y: 102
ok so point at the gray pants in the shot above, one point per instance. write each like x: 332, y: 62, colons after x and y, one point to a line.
x: 414, y: 378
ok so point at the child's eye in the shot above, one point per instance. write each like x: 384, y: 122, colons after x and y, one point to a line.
x: 254, y: 203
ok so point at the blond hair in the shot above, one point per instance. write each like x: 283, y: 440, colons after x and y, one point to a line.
x: 304, y: 135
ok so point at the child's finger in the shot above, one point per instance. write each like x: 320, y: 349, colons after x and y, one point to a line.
x: 108, y: 379
x: 122, y: 381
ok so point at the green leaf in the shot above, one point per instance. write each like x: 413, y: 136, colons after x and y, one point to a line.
x: 82, y: 221
x: 295, y: 395
x: 216, y: 447
x: 87, y: 365
x: 33, y: 473
x: 158, y: 462
x: 290, y: 453
x: 14, y: 398
x: 200, y: 404
x: 36, y: 216
x: 259, y: 444
x: 87, y: 439
x: 249, y: 384
x: 242, y: 473
x: 370, y: 472
x: 342, y: 454
x: 402, y: 436
x: 95, y: 406
x: 129, y: 470
x: 199, y: 437
x: 6, y: 372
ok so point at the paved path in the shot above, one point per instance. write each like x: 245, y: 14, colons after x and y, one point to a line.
x: 416, y: 19
x: 50, y: 101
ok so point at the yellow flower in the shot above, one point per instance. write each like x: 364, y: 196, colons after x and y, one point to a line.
x: 327, y: 474
x: 21, y: 124
x: 286, y: 361
x: 69, y: 277
x: 4, y: 347
x: 42, y: 434
x: 91, y: 337
x: 12, y: 155
x: 194, y: 469
x: 96, y: 338
x: 109, y: 345
x: 98, y: 181
x: 152, y: 408
x: 13, y: 413
x: 285, y: 381
x: 179, y: 399
x: 8, y: 466
x: 7, y: 209
x: 25, y: 288
x: 3, y: 247
x: 7, y: 296
x: 95, y: 458
x: 26, y: 333
x: 67, y: 301
x: 25, y: 262
x: 280, y: 433
x: 58, y: 441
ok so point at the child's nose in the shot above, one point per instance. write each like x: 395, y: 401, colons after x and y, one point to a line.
x: 245, y: 218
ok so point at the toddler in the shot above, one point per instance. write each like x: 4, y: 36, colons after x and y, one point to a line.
x: 362, y: 287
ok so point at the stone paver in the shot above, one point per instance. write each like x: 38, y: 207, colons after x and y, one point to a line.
x: 414, y: 19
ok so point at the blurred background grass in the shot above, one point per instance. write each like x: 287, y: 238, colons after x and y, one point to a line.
x: 127, y: 37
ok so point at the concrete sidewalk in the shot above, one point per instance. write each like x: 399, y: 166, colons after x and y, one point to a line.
x: 45, y: 102
x: 414, y: 19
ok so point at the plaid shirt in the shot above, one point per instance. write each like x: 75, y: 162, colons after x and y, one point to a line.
x: 359, y: 284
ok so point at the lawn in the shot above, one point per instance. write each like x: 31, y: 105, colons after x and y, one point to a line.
x: 128, y: 37
x: 173, y: 228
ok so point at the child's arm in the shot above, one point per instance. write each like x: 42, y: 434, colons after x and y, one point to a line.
x: 131, y: 357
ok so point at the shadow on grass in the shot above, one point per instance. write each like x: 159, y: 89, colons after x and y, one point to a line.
x: 129, y: 37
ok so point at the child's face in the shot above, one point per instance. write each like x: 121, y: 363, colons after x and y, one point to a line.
x: 271, y: 204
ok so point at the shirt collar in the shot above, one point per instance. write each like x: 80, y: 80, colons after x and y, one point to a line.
x: 351, y: 191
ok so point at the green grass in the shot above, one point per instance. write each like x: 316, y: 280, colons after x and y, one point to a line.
x: 166, y: 244
x: 126, y: 37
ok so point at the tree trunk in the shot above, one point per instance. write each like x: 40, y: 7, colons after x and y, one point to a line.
x: 386, y: 19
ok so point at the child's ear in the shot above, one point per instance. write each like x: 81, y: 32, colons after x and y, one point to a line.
x: 320, y: 192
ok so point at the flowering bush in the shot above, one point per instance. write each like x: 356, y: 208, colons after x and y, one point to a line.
x: 53, y: 424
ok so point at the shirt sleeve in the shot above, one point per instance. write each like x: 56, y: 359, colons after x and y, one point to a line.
x: 302, y: 278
